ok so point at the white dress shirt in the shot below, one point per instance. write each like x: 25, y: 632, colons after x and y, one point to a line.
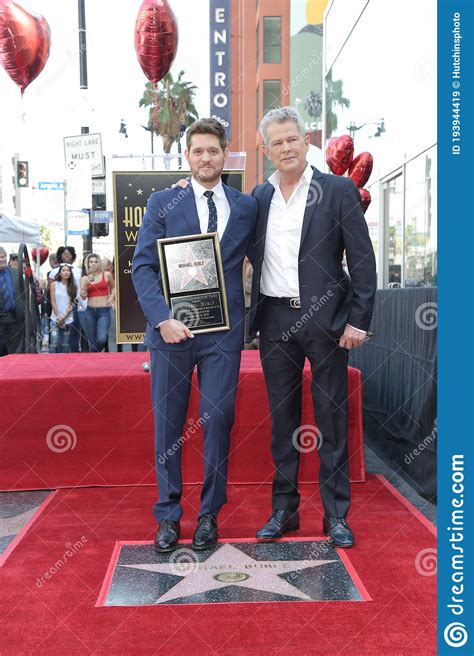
x: 221, y: 202
x: 282, y: 241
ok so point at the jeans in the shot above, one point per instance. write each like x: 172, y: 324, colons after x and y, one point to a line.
x: 59, y: 338
x: 96, y: 323
x: 75, y: 332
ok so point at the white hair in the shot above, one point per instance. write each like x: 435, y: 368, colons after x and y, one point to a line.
x: 281, y: 115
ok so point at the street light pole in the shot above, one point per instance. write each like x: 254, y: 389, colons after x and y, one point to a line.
x: 83, y: 85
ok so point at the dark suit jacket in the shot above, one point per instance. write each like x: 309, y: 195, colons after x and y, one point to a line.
x: 333, y: 223
x: 17, y: 296
x: 172, y: 213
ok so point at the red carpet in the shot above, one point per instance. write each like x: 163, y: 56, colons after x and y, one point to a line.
x: 85, y: 419
x: 50, y: 595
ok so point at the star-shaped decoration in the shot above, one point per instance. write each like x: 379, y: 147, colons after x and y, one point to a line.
x: 125, y: 197
x: 139, y: 192
x: 229, y: 566
x: 192, y: 269
x: 153, y: 189
x: 129, y: 184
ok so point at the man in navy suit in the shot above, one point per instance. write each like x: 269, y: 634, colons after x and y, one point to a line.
x: 306, y: 306
x: 207, y: 205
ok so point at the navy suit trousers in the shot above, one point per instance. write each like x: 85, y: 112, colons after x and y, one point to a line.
x: 171, y: 376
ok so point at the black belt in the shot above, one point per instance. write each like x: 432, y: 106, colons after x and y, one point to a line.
x: 293, y: 302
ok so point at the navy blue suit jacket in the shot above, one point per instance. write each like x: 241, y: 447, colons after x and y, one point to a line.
x: 173, y: 213
x: 333, y: 223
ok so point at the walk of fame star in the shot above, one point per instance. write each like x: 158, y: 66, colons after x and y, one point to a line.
x: 231, y: 566
x: 192, y: 269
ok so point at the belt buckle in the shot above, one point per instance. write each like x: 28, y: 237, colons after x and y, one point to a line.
x: 295, y: 303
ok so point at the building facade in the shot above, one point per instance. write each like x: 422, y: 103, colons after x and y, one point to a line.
x: 380, y: 87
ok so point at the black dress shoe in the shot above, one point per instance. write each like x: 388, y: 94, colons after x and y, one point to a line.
x: 167, y: 536
x: 279, y: 523
x: 340, y: 535
x: 205, y: 535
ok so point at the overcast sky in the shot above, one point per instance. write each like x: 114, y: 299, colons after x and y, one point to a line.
x: 54, y: 107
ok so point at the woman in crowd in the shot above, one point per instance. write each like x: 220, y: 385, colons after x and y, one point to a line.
x: 98, y: 287
x: 63, y: 294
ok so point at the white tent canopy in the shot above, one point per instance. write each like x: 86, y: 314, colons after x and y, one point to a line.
x: 15, y: 230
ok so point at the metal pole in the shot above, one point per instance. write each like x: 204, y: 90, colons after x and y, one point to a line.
x: 66, y: 223
x: 82, y: 45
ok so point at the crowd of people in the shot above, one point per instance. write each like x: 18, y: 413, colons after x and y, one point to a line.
x: 76, y: 304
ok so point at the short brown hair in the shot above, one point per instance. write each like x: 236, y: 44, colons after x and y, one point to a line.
x: 207, y: 126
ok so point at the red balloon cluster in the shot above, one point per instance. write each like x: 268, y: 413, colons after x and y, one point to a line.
x: 43, y: 253
x: 340, y: 158
x: 25, y: 40
x: 156, y: 38
x: 339, y: 153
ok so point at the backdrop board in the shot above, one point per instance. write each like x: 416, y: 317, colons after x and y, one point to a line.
x: 131, y: 192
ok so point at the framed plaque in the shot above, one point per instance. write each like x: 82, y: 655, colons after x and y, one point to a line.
x: 193, y: 281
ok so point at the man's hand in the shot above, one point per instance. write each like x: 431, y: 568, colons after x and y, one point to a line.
x: 174, y: 332
x: 352, y: 338
x: 183, y: 183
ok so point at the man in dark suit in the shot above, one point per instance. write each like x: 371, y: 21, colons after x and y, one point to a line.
x: 206, y: 205
x: 12, y: 309
x: 305, y: 306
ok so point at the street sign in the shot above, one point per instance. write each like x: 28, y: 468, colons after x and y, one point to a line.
x: 78, y: 223
x: 79, y: 187
x: 51, y: 186
x: 102, y: 216
x: 98, y: 186
x: 85, y: 148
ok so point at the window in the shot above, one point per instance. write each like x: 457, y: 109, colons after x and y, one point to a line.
x: 268, y: 168
x: 257, y: 51
x: 271, y: 94
x: 420, y: 221
x: 271, y: 39
x: 257, y: 99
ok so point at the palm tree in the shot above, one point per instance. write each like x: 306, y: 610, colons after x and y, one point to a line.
x: 313, y: 103
x: 334, y: 95
x: 175, y: 102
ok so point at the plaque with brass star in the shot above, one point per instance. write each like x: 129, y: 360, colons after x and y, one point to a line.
x: 193, y: 281
x: 298, y: 571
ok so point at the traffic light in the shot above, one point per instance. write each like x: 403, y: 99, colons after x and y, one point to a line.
x: 22, y: 177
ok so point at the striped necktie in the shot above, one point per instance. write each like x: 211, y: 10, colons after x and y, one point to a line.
x: 212, y: 224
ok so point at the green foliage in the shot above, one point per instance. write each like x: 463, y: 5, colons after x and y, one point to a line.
x: 175, y: 100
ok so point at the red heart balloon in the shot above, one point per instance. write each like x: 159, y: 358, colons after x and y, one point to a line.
x: 156, y: 38
x: 43, y: 252
x: 361, y: 168
x: 25, y: 41
x: 366, y: 198
x: 339, y: 153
